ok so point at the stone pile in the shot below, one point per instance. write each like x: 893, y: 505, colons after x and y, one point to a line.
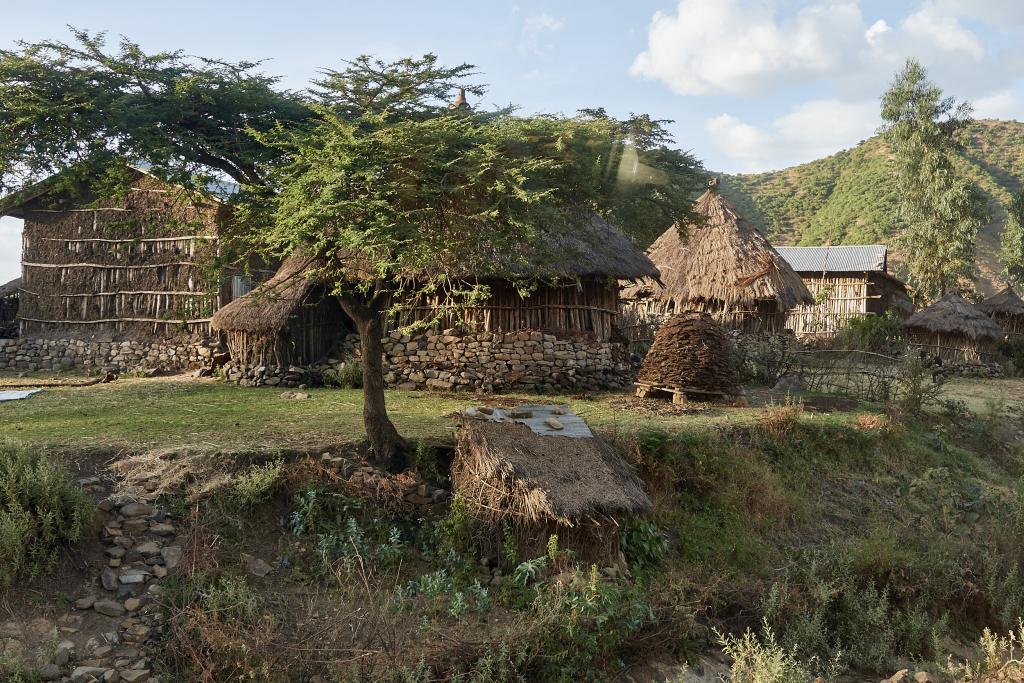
x: 27, y: 353
x: 141, y: 549
x: 691, y: 351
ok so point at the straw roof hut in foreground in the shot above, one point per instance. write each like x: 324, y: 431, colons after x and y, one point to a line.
x: 288, y: 320
x: 538, y: 485
x: 723, y: 267
x: 1007, y: 309
x: 954, y: 329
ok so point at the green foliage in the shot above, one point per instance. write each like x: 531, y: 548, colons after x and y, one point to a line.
x: 642, y: 543
x: 425, y: 462
x: 762, y: 660
x: 941, y: 211
x: 1011, y: 245
x: 454, y: 533
x: 319, y: 510
x: 81, y: 105
x: 352, y: 547
x: 258, y: 482
x: 917, y: 388
x: 1013, y: 350
x: 14, y: 670
x: 41, y: 510
x: 876, y: 333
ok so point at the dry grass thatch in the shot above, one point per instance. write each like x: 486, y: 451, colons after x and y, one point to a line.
x: 266, y: 309
x: 508, y: 472
x: 955, y: 315
x: 725, y: 261
x: 1005, y: 303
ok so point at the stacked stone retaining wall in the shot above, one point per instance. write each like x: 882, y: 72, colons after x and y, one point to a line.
x: 28, y: 354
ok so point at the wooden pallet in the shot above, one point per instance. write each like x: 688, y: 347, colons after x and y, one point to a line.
x: 678, y: 395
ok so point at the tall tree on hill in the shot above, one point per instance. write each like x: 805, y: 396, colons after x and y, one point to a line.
x: 79, y: 106
x: 940, y: 211
x: 399, y: 194
x: 1011, y: 247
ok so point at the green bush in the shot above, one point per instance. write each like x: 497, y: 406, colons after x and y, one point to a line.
x: 877, y: 333
x: 41, y: 509
x: 257, y: 483
x: 1013, y: 350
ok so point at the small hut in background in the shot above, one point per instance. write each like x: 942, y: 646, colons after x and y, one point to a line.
x: 847, y: 281
x: 1007, y: 309
x: 9, y: 294
x: 954, y: 329
x: 722, y: 266
x: 691, y: 355
x: 539, y: 484
x: 288, y: 320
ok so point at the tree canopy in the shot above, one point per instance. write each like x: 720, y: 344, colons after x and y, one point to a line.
x: 940, y: 212
x: 83, y: 106
x: 1011, y: 248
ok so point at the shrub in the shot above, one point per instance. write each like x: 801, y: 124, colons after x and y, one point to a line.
x: 350, y: 376
x: 453, y: 533
x: 257, y: 483
x: 876, y: 333
x: 1001, y: 658
x: 642, y: 542
x: 425, y: 462
x: 763, y: 660
x: 41, y: 509
x: 917, y: 387
x: 1013, y: 350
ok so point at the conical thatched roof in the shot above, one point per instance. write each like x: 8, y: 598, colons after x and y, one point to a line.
x: 1005, y: 303
x: 506, y: 469
x: 266, y: 309
x: 725, y: 259
x: 953, y: 314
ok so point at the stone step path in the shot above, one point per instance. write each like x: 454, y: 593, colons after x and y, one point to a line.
x: 141, y: 548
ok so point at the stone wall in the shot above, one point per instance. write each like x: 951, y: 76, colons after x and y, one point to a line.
x: 28, y: 354
x: 526, y: 361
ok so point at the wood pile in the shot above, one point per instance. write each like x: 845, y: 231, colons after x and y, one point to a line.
x: 691, y: 352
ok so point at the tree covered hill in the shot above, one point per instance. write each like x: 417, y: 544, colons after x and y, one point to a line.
x: 849, y: 198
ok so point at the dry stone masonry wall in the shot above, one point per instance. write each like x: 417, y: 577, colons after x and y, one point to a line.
x: 28, y: 354
x: 527, y: 360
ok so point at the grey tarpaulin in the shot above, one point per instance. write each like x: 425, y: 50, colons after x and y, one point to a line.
x: 16, y: 395
x: 572, y: 424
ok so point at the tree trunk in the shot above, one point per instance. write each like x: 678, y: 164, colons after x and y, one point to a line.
x: 388, y: 446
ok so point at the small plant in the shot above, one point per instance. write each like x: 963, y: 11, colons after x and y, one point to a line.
x: 258, y: 482
x: 454, y: 532
x: 763, y: 660
x: 350, y: 374
x: 509, y: 546
x: 425, y: 462
x: 918, y: 387
x: 1001, y: 659
x: 778, y: 420
x: 41, y: 509
x: 642, y: 542
x: 530, y: 571
x: 457, y: 606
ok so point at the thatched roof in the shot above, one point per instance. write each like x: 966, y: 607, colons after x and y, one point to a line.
x: 509, y: 471
x: 953, y: 314
x: 266, y: 309
x: 723, y: 259
x: 1005, y: 303
x: 11, y: 288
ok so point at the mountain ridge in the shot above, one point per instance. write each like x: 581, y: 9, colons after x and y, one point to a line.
x: 849, y: 197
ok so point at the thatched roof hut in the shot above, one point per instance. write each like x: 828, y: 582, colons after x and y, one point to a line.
x: 9, y: 294
x: 955, y: 329
x: 722, y: 266
x: 1007, y: 309
x: 288, y: 320
x: 540, y: 485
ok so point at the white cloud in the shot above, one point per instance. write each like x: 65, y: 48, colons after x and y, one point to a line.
x: 537, y: 33
x: 930, y: 27
x: 1000, y: 105
x: 998, y: 12
x: 808, y: 131
x: 739, y: 47
x: 877, y: 31
x: 10, y: 249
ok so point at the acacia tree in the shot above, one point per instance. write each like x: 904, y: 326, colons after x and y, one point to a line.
x: 1011, y: 246
x: 399, y: 195
x: 940, y: 211
x: 82, y: 108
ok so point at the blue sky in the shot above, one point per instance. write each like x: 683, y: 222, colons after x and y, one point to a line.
x: 751, y: 84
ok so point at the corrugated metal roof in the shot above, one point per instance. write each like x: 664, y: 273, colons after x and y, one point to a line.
x: 838, y: 259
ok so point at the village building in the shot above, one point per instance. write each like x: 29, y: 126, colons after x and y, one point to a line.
x: 1007, y: 309
x: 562, y: 334
x: 124, y: 281
x: 846, y: 282
x: 535, y: 481
x: 955, y: 330
x: 721, y: 266
x: 9, y: 296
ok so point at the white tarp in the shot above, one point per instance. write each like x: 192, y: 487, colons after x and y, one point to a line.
x: 572, y: 424
x: 17, y: 395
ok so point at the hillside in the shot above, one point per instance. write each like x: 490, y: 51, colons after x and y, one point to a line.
x: 848, y: 198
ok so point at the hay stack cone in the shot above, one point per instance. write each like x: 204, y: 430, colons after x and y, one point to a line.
x: 692, y: 352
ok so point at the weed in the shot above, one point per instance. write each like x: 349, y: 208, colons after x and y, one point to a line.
x: 425, y: 463
x: 642, y: 542
x: 1001, y: 658
x: 258, y: 482
x: 453, y: 533
x: 764, y: 660
x: 41, y: 509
